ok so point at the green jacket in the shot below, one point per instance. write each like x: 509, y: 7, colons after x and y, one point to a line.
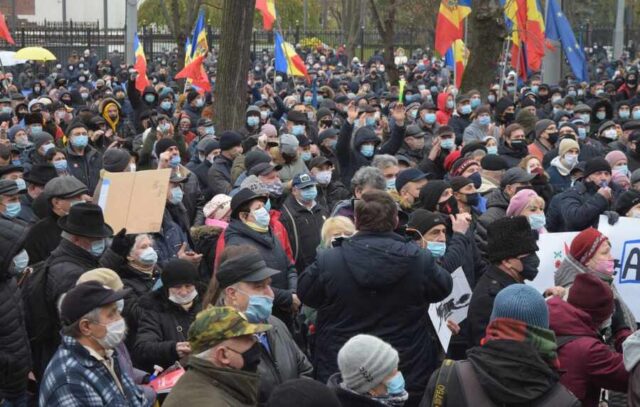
x: 207, y: 385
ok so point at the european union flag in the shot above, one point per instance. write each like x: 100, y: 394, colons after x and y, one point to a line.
x: 559, y: 29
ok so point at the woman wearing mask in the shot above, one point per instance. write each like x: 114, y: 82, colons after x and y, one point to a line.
x: 166, y: 315
x: 58, y: 158
x: 491, y: 143
x: 619, y: 164
x: 528, y: 203
x: 369, y: 374
x: 205, y: 237
x: 560, y: 169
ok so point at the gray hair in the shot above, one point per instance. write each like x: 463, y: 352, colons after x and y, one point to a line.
x: 384, y: 161
x: 73, y: 329
x: 369, y: 176
x: 137, y: 241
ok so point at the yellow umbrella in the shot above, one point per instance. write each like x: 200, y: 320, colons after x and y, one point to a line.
x: 35, y: 54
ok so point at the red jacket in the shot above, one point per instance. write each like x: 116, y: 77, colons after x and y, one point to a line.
x: 589, y: 363
x: 443, y: 114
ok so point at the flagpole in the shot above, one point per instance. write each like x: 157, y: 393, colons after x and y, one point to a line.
x: 505, y: 50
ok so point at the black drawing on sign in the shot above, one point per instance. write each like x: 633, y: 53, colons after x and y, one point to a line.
x: 445, y: 309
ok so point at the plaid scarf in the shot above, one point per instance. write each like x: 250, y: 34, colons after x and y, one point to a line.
x: 544, y: 340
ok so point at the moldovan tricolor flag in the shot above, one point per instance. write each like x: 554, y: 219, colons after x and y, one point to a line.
x: 4, y: 31
x: 268, y: 11
x: 140, y: 65
x: 287, y: 59
x: 450, y: 23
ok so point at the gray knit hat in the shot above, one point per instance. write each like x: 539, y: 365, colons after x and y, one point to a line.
x: 365, y: 361
x: 116, y: 159
x: 254, y: 184
x: 523, y: 303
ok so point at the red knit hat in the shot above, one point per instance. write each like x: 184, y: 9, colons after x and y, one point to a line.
x: 586, y: 244
x: 450, y: 159
x: 461, y: 165
x: 593, y: 296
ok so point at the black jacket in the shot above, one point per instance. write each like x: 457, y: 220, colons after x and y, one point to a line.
x: 42, y: 238
x: 85, y: 167
x: 348, y: 398
x: 303, y: 227
x: 162, y: 324
x: 511, y: 155
x: 458, y: 123
x: 497, y: 204
x: 202, y: 171
x: 15, y: 356
x: 382, y: 285
x: 330, y: 195
x: 205, y: 238
x: 581, y: 207
x: 219, y: 176
x: 509, y: 373
x: 481, y: 305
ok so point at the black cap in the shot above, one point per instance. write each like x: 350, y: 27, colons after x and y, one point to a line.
x: 163, y: 145
x: 493, y: 162
x: 296, y: 116
x: 40, y: 174
x: 423, y: 220
x: 414, y: 130
x: 85, y: 297
x: 229, y: 140
x: 207, y: 146
x: 243, y: 196
x: 626, y: 201
x: 471, y: 147
x: 65, y: 187
x: 325, y: 134
x: 596, y: 164
x: 320, y: 161
x: 178, y: 272
x: 8, y: 169
x: 250, y: 267
x: 457, y: 183
x: 255, y: 157
x: 263, y: 169
x: 517, y: 232
x: 409, y: 175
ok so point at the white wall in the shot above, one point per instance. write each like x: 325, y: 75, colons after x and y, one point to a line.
x: 81, y: 11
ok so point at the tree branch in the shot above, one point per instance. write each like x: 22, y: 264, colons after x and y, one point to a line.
x: 165, y: 14
x: 376, y: 17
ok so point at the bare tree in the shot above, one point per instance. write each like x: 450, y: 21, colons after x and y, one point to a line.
x: 233, y: 63
x: 347, y: 16
x: 180, y: 17
x: 384, y: 16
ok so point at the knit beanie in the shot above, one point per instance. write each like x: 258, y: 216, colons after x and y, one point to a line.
x: 423, y: 220
x: 269, y: 130
x: 457, y: 183
x: 451, y: 158
x: 178, y: 272
x: 229, y: 140
x: 585, y: 245
x: 303, y: 393
x: 614, y: 156
x: 104, y: 276
x: 217, y: 207
x: 116, y: 159
x: 567, y: 144
x: 41, y: 138
x: 365, y: 361
x: 542, y: 125
x: 626, y: 201
x: 596, y: 164
x: 461, y: 165
x: 510, y: 237
x: 430, y: 194
x: 593, y: 296
x: 163, y: 145
x: 493, y: 162
x: 523, y: 303
x: 519, y: 201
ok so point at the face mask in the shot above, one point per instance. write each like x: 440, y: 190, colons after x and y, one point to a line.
x: 450, y: 104
x: 448, y: 207
x: 624, y: 114
x: 472, y: 199
x: 21, y: 260
x: 253, y: 121
x: 307, y: 100
x: 491, y: 99
x: 437, y: 249
x: 636, y: 115
x: 297, y: 130
x: 396, y: 384
x: 413, y: 114
x: 166, y: 105
x: 80, y: 141
x: 367, y: 150
x: 476, y: 178
x: 259, y: 308
x: 120, y: 305
x: 466, y: 109
x: 582, y: 133
x: 601, y: 115
x: 484, y: 120
x: 530, y: 266
x: 23, y: 142
x: 98, y: 247
x: 174, y: 161
x: 309, y: 194
x: 492, y: 150
x: 391, y: 184
x: 21, y: 184
x: 115, y: 334
x: 251, y: 358
x: 12, y: 209
x: 324, y: 177
x: 475, y: 102
x: 199, y: 102
x: 149, y: 256
x: 571, y: 159
x: 180, y: 300
x: 306, y: 156
x: 429, y: 118
x: 610, y: 134
x: 604, y: 266
x: 370, y: 121
x: 621, y: 169
x: 518, y: 144
x: 555, y: 99
x: 585, y: 117
x: 267, y: 205
x: 60, y: 165
x: 264, y: 115
x: 447, y: 143
x: 537, y: 221
x: 176, y: 195
x: 149, y: 98
x: 6, y: 110
x: 262, y: 217
x: 572, y: 93
x: 275, y: 188
x: 36, y: 129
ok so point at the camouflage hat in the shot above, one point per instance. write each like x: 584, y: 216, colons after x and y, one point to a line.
x: 216, y: 324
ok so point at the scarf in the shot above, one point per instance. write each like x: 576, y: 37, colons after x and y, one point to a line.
x: 393, y: 400
x: 257, y: 228
x: 105, y: 116
x: 544, y: 340
x: 143, y: 268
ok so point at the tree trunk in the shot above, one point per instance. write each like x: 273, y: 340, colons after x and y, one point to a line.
x: 351, y: 25
x: 487, y: 32
x: 386, y: 28
x: 233, y: 64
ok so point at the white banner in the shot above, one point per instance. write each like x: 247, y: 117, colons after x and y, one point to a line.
x: 454, y: 307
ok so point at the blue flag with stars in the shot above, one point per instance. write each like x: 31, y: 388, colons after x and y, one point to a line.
x: 559, y: 29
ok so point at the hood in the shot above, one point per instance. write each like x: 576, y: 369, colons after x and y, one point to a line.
x: 150, y: 89
x: 204, y: 231
x: 567, y: 320
x: 631, y: 351
x: 378, y: 260
x: 442, y: 102
x: 12, y: 236
x: 495, y: 364
x: 497, y: 198
x: 601, y: 103
x: 363, y: 135
x: 104, y: 104
x: 564, y: 171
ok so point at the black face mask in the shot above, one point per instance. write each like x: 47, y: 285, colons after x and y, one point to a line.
x: 509, y: 117
x: 518, y: 145
x: 449, y: 207
x: 530, y: 266
x: 553, y: 137
x: 472, y: 199
x: 251, y: 357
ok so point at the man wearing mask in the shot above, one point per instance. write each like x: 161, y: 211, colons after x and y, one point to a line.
x: 330, y: 190
x: 409, y: 182
x: 244, y: 280
x: 219, y: 175
x: 512, y: 252
x: 546, y: 138
x: 462, y: 117
x: 92, y: 328
x: 36, y: 178
x: 194, y: 105
x: 223, y: 368
x: 414, y: 143
x: 442, y: 145
x: 10, y: 201
x: 252, y: 123
x: 514, y: 147
x: 629, y: 88
x: 427, y: 118
x: 84, y: 161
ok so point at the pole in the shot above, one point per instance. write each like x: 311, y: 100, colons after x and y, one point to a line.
x: 64, y: 11
x: 505, y: 49
x: 552, y: 62
x: 618, y: 34
x: 14, y: 12
x: 105, y: 13
x: 305, y: 6
x: 131, y: 26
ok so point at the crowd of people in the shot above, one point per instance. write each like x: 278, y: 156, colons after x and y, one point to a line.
x: 298, y: 254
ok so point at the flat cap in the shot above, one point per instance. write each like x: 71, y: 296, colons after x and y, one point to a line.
x: 66, y: 186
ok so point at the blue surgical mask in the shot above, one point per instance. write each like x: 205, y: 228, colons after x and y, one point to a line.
x: 174, y: 161
x: 391, y: 184
x: 622, y: 169
x: 586, y: 117
x: 333, y: 144
x: 370, y: 121
x: 636, y: 115
x: 492, y: 150
x: 149, y: 98
x: 149, y: 256
x: 17, y: 162
x: 307, y: 100
x: 582, y: 133
x: 35, y: 129
x: 262, y: 217
x: 537, y: 221
x: 429, y: 118
x: 396, y: 384
x: 572, y: 93
x: 484, y: 120
x: 413, y: 114
x: 297, y: 130
x: 163, y: 127
x: 367, y: 150
x: 60, y: 165
x: 447, y: 143
x: 475, y: 102
x: 21, y: 260
x: 306, y: 156
x: 166, y: 105
x: 624, y: 114
x: 253, y: 121
x: 535, y: 89
x: 437, y: 249
x: 209, y: 131
x: 176, y: 195
x: 466, y: 109
x: 80, y: 141
x: 601, y: 115
x: 21, y: 184
x: 309, y: 194
x: 199, y: 102
x: 98, y: 247
x: 491, y: 98
x: 259, y: 308
x: 267, y: 205
x: 450, y: 104
x: 12, y: 209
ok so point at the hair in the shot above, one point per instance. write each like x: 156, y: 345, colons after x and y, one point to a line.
x: 5, y: 151
x: 511, y: 128
x: 73, y: 329
x: 384, y: 161
x: 376, y: 212
x: 368, y: 176
x: 137, y: 240
x: 525, y: 161
x: 334, y: 226
x: 214, y: 291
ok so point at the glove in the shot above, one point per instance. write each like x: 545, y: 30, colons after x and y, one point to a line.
x: 122, y: 243
x: 612, y: 217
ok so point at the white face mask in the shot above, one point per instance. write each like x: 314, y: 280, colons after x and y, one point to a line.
x: 177, y: 299
x: 115, y: 334
x: 21, y: 260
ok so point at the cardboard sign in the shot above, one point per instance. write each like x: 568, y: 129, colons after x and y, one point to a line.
x: 455, y: 307
x: 134, y: 200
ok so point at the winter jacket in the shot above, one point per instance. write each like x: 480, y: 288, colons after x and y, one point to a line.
x: 559, y: 176
x: 26, y: 211
x: 173, y: 233
x: 162, y: 324
x: 15, y: 356
x: 459, y: 123
x: 219, y: 176
x: 42, y: 238
x: 631, y: 354
x: 538, y: 150
x: 205, y: 385
x: 379, y: 284
x: 497, y: 204
x: 303, y: 227
x: 434, y: 167
x: 462, y: 252
x: 444, y: 114
x: 588, y: 362
x: 581, y: 207
x: 475, y: 132
x: 350, y: 398
x: 282, y: 361
x: 76, y: 378
x: 329, y: 195
x: 482, y: 298
x: 290, y: 170
x: 508, y: 373
x: 205, y: 239
x: 511, y: 155
x: 201, y: 171
x: 588, y: 150
x: 85, y: 167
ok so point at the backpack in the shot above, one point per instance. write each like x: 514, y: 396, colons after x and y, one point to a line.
x: 39, y: 318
